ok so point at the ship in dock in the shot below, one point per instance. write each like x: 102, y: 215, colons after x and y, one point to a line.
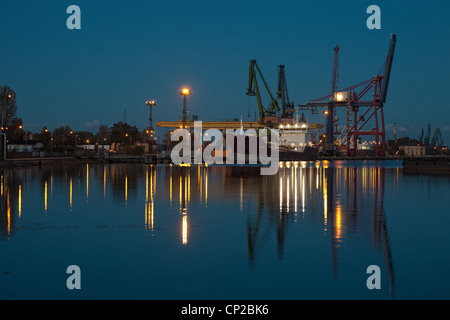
x: 295, y: 142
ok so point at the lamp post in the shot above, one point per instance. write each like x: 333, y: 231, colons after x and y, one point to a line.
x: 185, y: 92
x: 151, y: 104
x: 51, y: 142
x: 9, y: 97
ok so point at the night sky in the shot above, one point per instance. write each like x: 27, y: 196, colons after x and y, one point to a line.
x: 130, y: 51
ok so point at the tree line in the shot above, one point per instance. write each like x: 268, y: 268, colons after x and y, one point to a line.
x: 121, y: 133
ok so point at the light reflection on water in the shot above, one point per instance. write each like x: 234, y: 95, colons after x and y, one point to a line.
x: 308, y: 232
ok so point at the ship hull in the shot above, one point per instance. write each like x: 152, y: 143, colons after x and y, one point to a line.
x: 308, y: 154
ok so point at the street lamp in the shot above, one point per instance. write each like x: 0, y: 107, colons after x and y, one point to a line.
x: 151, y: 104
x: 185, y: 92
x: 5, y: 111
x: 51, y: 142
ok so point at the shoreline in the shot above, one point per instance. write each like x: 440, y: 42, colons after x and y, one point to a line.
x: 427, y: 163
x: 32, y: 162
x: 28, y: 162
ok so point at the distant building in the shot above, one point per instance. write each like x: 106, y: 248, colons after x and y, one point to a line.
x: 87, y: 146
x: 411, y: 147
x: 148, y: 147
x: 413, y: 151
x: 34, y: 147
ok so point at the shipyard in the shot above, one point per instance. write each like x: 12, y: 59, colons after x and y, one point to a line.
x: 219, y: 159
x: 361, y: 137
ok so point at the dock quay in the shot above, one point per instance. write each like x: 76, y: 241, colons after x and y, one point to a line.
x: 27, y: 162
x: 431, y: 164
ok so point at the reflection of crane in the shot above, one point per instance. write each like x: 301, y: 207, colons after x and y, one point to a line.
x: 253, y: 90
x: 287, y: 107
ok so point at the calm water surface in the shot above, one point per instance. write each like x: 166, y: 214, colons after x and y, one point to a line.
x: 146, y: 232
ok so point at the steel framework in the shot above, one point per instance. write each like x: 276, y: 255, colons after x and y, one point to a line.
x: 357, y: 98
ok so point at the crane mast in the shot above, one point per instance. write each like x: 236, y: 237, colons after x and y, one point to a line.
x: 287, y: 107
x: 331, y: 108
x: 253, y: 90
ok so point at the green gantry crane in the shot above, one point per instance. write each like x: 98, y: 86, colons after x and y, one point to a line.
x: 253, y: 90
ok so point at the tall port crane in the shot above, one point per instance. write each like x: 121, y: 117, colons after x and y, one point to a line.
x: 331, y: 112
x: 431, y: 141
x: 437, y: 139
x: 353, y: 101
x: 253, y: 90
x: 287, y: 107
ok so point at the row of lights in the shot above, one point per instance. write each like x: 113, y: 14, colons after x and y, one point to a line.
x: 295, y: 126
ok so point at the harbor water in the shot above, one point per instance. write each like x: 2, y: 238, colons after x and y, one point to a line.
x: 224, y: 232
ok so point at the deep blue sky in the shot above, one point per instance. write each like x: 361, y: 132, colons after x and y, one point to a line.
x: 130, y: 51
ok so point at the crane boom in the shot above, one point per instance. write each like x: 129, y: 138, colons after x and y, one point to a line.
x: 387, y: 69
x: 253, y: 90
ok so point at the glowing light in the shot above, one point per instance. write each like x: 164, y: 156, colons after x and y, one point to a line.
x: 287, y: 195
x: 295, y: 184
x: 186, y: 92
x: 104, y: 182
x: 45, y: 196
x: 70, y: 193
x: 338, y: 222
x: 184, y: 232
x: 189, y: 187
x: 281, y: 194
x: 149, y: 205
x: 146, y: 185
x: 8, y: 214
x: 325, y: 202
x: 126, y: 189
x: 87, y: 182
x: 20, y: 201
x: 303, y: 194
